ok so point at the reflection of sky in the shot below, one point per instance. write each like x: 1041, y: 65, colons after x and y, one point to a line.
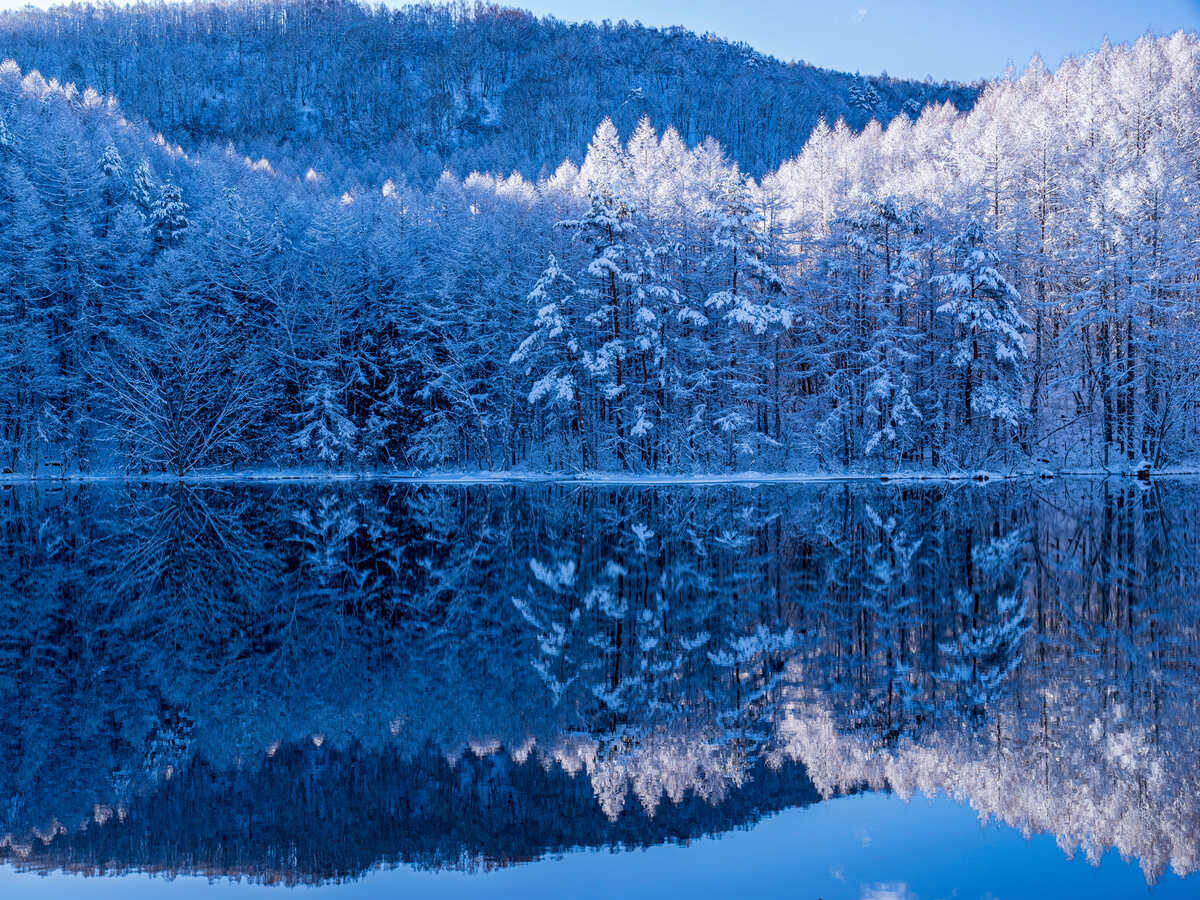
x: 871, y: 846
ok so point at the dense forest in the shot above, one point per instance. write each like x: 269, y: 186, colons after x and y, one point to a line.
x: 295, y: 683
x: 362, y: 93
x: 1011, y: 286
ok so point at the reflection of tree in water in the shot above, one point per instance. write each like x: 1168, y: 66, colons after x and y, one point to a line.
x: 168, y: 653
x: 985, y: 648
x: 312, y: 813
x: 187, y: 544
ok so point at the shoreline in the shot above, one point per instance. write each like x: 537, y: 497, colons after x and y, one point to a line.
x: 588, y: 479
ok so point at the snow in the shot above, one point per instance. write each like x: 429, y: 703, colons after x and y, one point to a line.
x: 750, y: 479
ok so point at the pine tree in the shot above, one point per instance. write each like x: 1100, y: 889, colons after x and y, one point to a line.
x: 113, y: 175
x: 168, y: 216
x: 987, y: 356
x: 863, y: 96
x: 893, y: 416
x: 754, y: 319
x: 111, y: 163
x: 143, y: 189
x: 553, y: 355
x: 608, y: 233
x: 323, y: 431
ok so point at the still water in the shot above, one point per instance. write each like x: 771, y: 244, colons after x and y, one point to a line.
x: 835, y: 690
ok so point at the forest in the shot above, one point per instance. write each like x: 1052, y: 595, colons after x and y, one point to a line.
x: 225, y: 253
x: 362, y: 93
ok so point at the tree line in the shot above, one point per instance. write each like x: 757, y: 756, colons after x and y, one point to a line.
x: 1013, y: 287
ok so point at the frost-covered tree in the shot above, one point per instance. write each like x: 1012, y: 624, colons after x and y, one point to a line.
x: 609, y: 237
x: 143, y: 189
x: 986, y: 358
x: 870, y: 352
x: 747, y: 303
x: 177, y: 400
x: 323, y: 432
x: 1009, y: 285
x: 862, y: 95
x: 168, y: 215
x: 553, y: 356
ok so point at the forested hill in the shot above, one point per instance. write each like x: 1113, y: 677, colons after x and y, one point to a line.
x: 432, y: 87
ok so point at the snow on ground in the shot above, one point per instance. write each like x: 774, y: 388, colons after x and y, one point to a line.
x: 307, y: 476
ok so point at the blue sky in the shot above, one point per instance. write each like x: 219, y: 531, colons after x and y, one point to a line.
x: 957, y: 39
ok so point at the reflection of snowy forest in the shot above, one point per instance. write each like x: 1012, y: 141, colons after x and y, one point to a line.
x: 296, y: 683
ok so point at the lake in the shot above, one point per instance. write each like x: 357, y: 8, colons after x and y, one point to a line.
x: 855, y: 689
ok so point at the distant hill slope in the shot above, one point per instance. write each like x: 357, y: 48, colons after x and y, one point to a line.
x: 430, y: 86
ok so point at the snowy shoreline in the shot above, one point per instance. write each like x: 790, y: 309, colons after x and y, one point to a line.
x: 584, y: 479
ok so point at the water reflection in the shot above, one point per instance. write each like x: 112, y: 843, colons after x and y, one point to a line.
x: 296, y: 684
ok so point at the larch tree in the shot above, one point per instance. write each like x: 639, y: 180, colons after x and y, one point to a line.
x: 986, y: 358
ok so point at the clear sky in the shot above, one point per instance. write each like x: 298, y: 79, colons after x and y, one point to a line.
x: 956, y: 39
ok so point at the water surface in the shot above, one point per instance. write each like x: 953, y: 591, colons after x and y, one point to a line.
x: 446, y: 691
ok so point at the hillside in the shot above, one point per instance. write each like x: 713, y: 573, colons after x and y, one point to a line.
x: 430, y: 87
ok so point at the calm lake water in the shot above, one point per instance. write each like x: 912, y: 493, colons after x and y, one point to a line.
x: 835, y: 690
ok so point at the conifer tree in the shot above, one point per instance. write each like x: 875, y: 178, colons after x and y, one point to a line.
x: 987, y: 356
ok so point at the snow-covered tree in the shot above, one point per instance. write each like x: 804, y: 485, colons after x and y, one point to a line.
x: 986, y: 360
x: 323, y: 431
x: 749, y: 304
x: 553, y: 357
x: 168, y: 215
